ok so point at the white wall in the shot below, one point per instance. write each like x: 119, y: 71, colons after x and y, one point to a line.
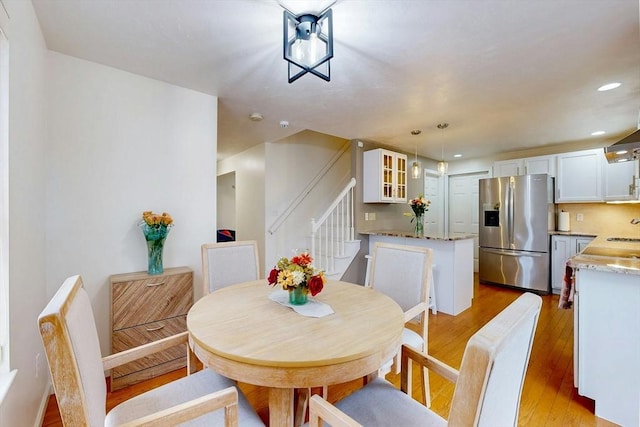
x: 27, y: 212
x: 249, y: 167
x: 226, y: 201
x: 269, y: 176
x: 292, y: 163
x: 122, y: 144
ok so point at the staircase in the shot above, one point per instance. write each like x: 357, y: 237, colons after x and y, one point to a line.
x: 333, y: 246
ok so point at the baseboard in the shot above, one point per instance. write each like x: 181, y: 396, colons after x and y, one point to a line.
x: 42, y: 410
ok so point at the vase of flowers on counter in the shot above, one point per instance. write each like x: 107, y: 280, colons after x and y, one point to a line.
x: 419, y: 206
x: 298, y: 276
x: 155, y: 229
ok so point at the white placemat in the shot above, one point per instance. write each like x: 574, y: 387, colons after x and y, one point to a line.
x: 312, y: 308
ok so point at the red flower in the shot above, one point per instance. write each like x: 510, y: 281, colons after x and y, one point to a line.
x: 315, y: 285
x: 273, y: 277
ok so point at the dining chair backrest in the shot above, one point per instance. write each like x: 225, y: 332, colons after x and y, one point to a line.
x: 494, y: 365
x: 70, y: 338
x: 228, y: 263
x: 403, y: 273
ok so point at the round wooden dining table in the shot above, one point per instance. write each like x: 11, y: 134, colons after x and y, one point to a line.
x: 242, y: 334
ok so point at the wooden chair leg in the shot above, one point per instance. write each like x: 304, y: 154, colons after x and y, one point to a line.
x: 425, y: 386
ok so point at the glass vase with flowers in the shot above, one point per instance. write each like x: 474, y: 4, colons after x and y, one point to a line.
x: 298, y: 276
x: 419, y: 206
x: 155, y: 228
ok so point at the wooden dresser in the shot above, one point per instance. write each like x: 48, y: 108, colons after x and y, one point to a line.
x: 147, y: 308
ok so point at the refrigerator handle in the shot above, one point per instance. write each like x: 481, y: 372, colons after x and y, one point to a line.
x: 510, y: 213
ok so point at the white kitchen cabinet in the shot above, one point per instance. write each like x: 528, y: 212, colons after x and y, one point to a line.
x: 607, y: 343
x: 580, y: 176
x: 384, y: 176
x: 563, y: 248
x: 508, y: 167
x: 619, y: 180
x: 540, y: 164
x: 560, y: 252
x: 526, y: 166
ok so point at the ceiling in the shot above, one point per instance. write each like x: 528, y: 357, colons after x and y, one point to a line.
x: 506, y: 75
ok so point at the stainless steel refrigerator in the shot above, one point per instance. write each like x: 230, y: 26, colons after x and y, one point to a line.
x: 516, y: 215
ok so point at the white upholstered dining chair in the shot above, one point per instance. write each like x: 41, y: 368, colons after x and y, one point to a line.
x: 70, y: 339
x: 403, y: 273
x: 488, y: 385
x: 227, y: 263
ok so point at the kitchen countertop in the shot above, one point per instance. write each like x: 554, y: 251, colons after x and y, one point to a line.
x: 604, y: 255
x: 570, y: 233
x: 397, y: 233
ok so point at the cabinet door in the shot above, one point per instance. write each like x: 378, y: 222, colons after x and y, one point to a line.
x: 541, y: 164
x: 400, y: 178
x: 384, y: 176
x: 580, y: 244
x: 388, y: 175
x: 508, y: 168
x: 579, y: 176
x: 560, y: 252
x: 619, y: 180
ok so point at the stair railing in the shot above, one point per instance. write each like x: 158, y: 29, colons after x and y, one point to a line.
x: 332, y: 229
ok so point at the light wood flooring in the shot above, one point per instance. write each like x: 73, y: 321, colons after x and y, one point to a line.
x: 548, y: 398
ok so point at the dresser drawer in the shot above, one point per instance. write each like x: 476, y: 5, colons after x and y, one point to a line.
x: 144, y: 299
x: 124, y: 339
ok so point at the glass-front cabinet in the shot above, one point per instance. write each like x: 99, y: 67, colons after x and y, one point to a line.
x: 384, y: 176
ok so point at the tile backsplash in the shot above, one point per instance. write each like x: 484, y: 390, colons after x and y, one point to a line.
x: 603, y: 219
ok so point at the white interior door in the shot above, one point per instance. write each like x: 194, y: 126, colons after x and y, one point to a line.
x: 434, y: 217
x: 464, y: 208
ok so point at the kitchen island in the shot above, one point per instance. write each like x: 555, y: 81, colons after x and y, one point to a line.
x: 606, y: 323
x: 453, y: 265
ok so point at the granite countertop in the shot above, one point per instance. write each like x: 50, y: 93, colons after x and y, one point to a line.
x: 604, y: 255
x: 398, y: 233
x: 570, y: 233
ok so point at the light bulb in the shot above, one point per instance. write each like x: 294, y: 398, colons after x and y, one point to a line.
x: 443, y: 167
x: 415, y: 170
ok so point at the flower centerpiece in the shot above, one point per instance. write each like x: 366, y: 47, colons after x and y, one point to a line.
x: 298, y: 276
x: 419, y: 206
x: 155, y: 229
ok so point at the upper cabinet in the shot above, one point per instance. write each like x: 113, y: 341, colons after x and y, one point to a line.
x: 579, y: 177
x: 620, y: 180
x: 508, y: 167
x: 540, y: 164
x: 384, y: 177
x: 586, y: 176
x: 526, y: 166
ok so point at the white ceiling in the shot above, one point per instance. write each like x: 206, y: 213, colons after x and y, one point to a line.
x: 506, y: 75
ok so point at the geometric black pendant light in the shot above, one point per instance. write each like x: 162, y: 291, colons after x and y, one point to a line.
x: 308, y: 44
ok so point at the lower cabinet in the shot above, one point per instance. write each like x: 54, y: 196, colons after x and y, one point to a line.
x: 147, y: 308
x: 607, y: 343
x: 562, y: 248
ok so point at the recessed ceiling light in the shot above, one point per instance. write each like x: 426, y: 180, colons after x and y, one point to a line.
x: 416, y: 132
x: 457, y: 156
x: 255, y: 117
x: 597, y: 133
x: 608, y: 86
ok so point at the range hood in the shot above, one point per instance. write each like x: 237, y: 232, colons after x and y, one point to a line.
x: 626, y: 149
